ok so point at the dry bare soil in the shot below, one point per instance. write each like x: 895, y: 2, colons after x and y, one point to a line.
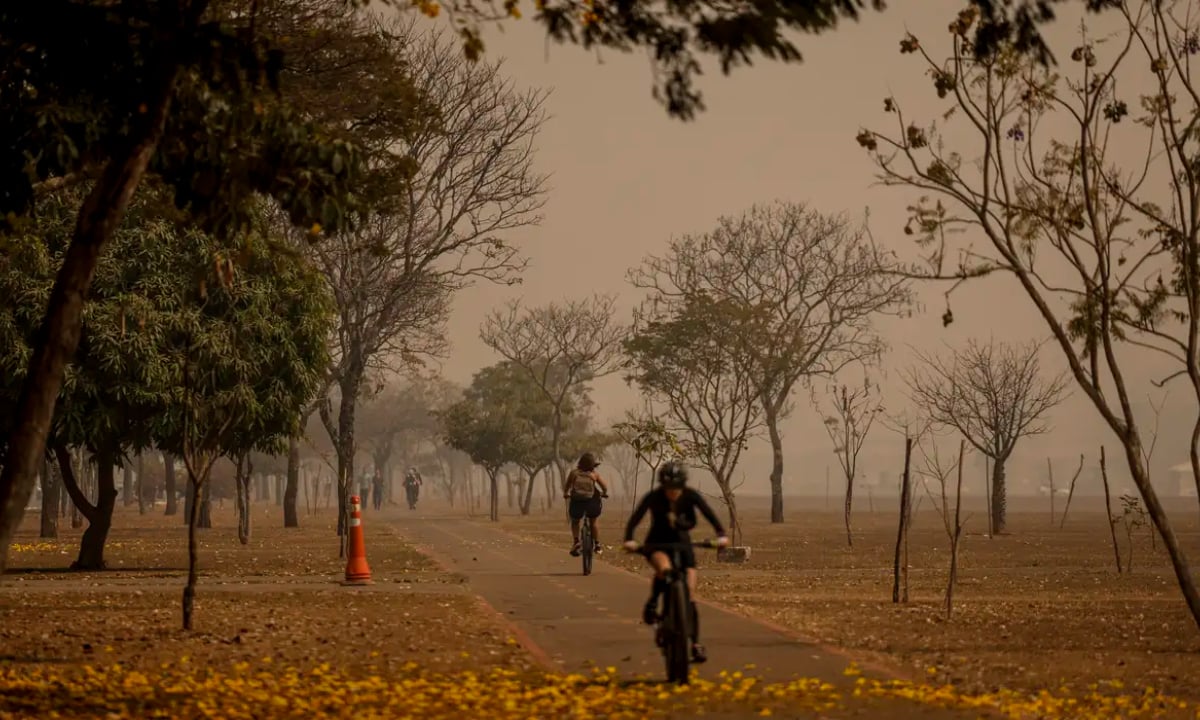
x: 1037, y: 608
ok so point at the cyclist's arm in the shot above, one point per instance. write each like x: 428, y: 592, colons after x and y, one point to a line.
x: 704, y: 508
x: 568, y: 482
x: 600, y: 481
x: 638, y: 513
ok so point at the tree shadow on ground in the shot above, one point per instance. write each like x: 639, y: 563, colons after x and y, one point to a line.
x: 59, y: 570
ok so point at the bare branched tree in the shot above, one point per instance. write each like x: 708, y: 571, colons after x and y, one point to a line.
x: 1105, y: 245
x: 994, y: 394
x: 684, y: 358
x: 452, y: 178
x: 560, y: 346
x: 940, y: 477
x: 807, y: 287
x: 851, y: 414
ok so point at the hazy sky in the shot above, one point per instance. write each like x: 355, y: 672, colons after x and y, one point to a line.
x: 626, y: 178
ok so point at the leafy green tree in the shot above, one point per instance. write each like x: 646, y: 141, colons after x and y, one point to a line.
x: 487, y: 425
x: 247, y: 353
x: 169, y: 89
x: 115, y: 385
x: 560, y: 347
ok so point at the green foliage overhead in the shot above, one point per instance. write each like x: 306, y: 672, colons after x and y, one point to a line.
x: 81, y: 76
x: 679, y: 33
x: 254, y: 319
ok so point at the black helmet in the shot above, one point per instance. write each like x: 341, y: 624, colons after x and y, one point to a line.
x: 587, y: 462
x: 672, y: 474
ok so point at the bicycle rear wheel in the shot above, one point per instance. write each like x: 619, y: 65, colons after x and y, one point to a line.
x: 675, y: 625
x: 586, y: 547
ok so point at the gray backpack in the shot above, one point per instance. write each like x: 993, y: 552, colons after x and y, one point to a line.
x: 583, y: 484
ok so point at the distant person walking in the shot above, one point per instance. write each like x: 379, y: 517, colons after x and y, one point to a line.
x: 364, y: 489
x: 377, y: 489
x: 412, y: 487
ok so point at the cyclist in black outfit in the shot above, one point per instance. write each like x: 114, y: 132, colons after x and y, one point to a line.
x: 672, y: 507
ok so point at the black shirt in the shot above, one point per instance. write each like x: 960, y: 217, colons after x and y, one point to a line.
x: 671, y: 525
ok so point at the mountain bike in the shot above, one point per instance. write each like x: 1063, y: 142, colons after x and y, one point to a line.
x: 673, y: 632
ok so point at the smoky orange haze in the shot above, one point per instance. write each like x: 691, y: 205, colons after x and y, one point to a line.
x: 625, y: 179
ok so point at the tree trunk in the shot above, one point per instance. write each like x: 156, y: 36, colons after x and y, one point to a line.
x: 99, y: 515
x: 189, y: 497
x: 848, y: 506
x: 956, y: 535
x: 126, y: 485
x: 342, y: 435
x: 205, y: 507
x: 999, y: 497
x: 772, y: 421
x: 169, y: 483
x: 556, y: 448
x: 527, y: 501
x: 494, y: 498
x: 58, y: 337
x: 1179, y: 563
x: 551, y: 494
x: 51, y: 499
x: 899, y: 568
x: 727, y: 496
x: 242, y: 487
x: 987, y: 493
x: 1112, y: 525
x: 291, y: 518
x: 141, y: 483
x: 192, y: 502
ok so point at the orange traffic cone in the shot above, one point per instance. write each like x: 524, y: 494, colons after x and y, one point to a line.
x: 357, y: 572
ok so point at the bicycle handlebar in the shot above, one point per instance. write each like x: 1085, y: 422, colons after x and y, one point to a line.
x: 709, y: 543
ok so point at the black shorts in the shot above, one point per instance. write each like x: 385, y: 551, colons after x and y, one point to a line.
x: 687, y: 555
x: 579, y: 507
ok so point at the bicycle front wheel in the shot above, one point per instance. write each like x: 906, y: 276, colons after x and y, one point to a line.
x: 587, y: 548
x: 676, y: 624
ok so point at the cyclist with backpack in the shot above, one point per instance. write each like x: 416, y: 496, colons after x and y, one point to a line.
x: 583, y: 490
x: 672, y: 507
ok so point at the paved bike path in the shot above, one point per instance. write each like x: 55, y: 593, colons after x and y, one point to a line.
x: 574, y: 622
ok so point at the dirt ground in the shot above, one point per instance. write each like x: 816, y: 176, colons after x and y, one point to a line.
x: 277, y: 636
x: 277, y: 597
x: 1037, y: 608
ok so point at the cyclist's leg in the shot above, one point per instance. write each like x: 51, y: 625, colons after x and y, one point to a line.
x: 698, y: 652
x: 595, y: 507
x: 658, y: 585
x: 575, y: 511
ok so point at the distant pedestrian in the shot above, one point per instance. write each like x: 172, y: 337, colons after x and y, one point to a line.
x: 412, y: 487
x: 377, y: 489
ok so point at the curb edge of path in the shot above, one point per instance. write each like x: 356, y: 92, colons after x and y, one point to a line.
x: 540, y: 656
